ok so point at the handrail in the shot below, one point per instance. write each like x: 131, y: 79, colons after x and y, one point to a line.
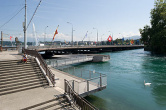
x: 42, y: 64
x: 77, y: 99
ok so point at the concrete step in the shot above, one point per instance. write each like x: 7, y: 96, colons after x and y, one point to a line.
x: 20, y: 72
x: 21, y: 89
x: 16, y: 76
x: 21, y: 80
x: 15, y: 62
x: 21, y: 77
x: 11, y: 74
x: 15, y: 65
x: 43, y: 104
x: 19, y: 69
x: 10, y: 67
x: 55, y: 103
x: 21, y: 86
x: 22, y: 83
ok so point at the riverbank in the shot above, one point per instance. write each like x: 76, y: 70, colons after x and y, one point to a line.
x: 126, y: 72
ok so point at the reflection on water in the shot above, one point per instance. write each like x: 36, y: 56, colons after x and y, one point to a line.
x: 156, y: 67
x: 97, y: 101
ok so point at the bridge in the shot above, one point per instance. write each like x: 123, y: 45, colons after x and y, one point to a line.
x: 51, y: 50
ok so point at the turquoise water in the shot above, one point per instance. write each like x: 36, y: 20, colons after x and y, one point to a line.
x: 126, y: 72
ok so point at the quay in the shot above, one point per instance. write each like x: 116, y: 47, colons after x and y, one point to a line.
x: 35, y: 86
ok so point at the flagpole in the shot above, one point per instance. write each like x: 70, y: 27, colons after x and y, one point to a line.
x: 25, y: 29
x: 45, y: 34
x: 1, y: 40
x: 72, y: 34
x: 97, y: 34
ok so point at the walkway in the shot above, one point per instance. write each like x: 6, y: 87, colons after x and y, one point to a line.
x: 9, y: 55
x: 20, y: 100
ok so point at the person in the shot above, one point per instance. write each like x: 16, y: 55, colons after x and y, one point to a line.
x: 24, y: 58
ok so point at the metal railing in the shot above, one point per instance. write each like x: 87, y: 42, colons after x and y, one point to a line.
x: 70, y: 60
x: 79, y: 101
x: 50, y: 75
x: 92, y: 80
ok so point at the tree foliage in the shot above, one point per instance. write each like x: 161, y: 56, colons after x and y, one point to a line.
x: 154, y: 36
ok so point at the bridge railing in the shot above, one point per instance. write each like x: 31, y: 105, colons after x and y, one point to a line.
x: 42, y: 63
x: 79, y: 101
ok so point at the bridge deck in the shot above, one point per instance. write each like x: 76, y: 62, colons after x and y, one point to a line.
x: 51, y: 48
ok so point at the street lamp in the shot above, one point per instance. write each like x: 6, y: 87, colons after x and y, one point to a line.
x: 45, y: 34
x: 72, y: 34
x: 97, y: 34
x: 89, y: 37
x: 101, y: 38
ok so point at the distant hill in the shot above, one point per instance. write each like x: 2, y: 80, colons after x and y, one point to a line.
x: 132, y: 37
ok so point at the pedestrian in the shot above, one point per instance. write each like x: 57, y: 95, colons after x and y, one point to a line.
x: 24, y: 58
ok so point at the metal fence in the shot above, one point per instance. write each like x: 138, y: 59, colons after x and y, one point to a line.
x: 79, y: 101
x: 91, y: 80
x: 68, y: 61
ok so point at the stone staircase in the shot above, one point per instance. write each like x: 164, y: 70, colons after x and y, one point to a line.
x: 16, y: 76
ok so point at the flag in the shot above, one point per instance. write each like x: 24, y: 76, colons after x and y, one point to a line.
x: 56, y: 32
x: 11, y: 37
x: 109, y: 39
x: 132, y: 41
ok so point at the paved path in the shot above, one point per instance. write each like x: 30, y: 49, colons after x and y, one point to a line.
x: 9, y: 55
x: 27, y: 98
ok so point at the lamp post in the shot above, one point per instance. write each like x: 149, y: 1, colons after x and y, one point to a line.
x: 71, y: 34
x: 97, y: 34
x: 89, y: 37
x: 101, y: 38
x: 45, y: 34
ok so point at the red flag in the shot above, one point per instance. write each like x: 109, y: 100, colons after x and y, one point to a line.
x: 56, y: 32
x: 11, y: 37
x: 109, y: 39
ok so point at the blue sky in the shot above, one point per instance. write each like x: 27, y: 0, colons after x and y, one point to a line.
x: 117, y: 16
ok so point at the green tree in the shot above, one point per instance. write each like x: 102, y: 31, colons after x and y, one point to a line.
x: 155, y: 36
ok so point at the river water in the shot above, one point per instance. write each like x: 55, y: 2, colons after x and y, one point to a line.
x: 126, y: 72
